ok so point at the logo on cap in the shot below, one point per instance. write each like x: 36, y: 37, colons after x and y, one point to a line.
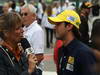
x: 71, y: 18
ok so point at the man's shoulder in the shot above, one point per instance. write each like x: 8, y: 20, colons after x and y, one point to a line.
x: 78, y: 45
x: 84, y: 50
x: 83, y: 47
x: 36, y: 27
x: 80, y: 48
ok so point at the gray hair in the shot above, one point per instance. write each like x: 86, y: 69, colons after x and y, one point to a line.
x: 31, y: 8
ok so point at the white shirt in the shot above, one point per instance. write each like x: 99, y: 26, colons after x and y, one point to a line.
x: 70, y: 7
x: 40, y: 11
x: 10, y: 9
x: 54, y: 12
x: 45, y: 23
x: 35, y: 36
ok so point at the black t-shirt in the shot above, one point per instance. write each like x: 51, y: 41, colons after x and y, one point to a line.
x: 76, y: 59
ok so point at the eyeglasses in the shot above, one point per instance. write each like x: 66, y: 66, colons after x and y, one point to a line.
x: 24, y: 14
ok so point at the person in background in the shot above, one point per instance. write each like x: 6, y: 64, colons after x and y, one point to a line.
x: 94, y: 15
x: 1, y: 10
x: 39, y: 11
x: 44, y: 7
x: 74, y: 57
x: 32, y: 2
x: 65, y: 5
x: 95, y: 43
x: 10, y: 5
x: 13, y: 6
x: 84, y: 28
x: 34, y: 33
x: 95, y: 10
x: 71, y: 7
x: 48, y: 27
x: 13, y: 60
x: 56, y: 8
x: 21, y: 3
x: 6, y: 8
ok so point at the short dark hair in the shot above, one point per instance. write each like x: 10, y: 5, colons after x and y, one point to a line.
x: 74, y: 30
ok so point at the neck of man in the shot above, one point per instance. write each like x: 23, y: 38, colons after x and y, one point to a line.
x: 68, y: 38
x: 30, y: 23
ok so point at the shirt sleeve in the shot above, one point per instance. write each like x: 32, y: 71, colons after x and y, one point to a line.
x: 37, y: 42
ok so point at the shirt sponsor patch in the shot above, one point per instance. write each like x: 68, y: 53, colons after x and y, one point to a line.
x: 70, y: 64
x: 71, y: 60
x: 70, y: 67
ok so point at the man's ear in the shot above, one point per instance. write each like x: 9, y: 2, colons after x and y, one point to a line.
x: 69, y: 27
